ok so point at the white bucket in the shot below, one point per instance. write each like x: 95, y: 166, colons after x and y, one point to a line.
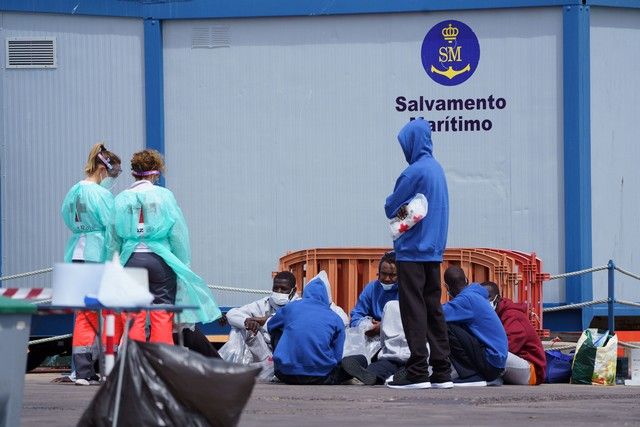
x: 73, y: 281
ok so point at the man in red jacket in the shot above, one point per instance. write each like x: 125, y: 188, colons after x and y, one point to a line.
x: 526, y: 361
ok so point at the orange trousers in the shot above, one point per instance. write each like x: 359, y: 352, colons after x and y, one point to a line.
x: 85, y: 330
x: 161, y: 326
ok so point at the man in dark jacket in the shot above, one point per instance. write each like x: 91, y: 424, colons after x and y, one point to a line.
x: 526, y: 361
x: 310, y: 339
x: 418, y: 257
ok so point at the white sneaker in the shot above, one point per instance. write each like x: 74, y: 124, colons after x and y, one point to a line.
x: 82, y: 381
x: 496, y: 383
x: 404, y: 383
x: 447, y: 384
x: 470, y: 384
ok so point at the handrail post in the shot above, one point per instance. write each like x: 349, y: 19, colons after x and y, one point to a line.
x: 611, y: 299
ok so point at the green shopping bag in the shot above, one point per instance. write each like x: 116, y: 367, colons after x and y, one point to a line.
x: 595, y: 359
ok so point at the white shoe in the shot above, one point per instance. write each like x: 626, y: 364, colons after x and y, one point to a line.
x: 470, y: 384
x: 447, y: 384
x: 82, y: 381
x: 496, y: 383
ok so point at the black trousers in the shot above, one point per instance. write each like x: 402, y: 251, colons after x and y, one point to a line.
x: 163, y: 282
x: 384, y: 368
x: 336, y: 377
x: 468, y: 354
x: 422, y: 318
x: 196, y: 341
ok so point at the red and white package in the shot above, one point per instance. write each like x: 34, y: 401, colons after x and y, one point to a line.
x: 416, y: 210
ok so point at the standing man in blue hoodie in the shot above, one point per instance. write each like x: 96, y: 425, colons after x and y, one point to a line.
x: 311, y: 338
x: 477, y: 339
x: 418, y: 257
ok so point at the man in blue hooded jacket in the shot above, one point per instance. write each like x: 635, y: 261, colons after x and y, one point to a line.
x: 376, y: 294
x: 477, y: 338
x: 310, y: 339
x: 418, y: 257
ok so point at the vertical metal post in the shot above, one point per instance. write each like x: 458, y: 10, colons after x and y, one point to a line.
x: 154, y: 86
x: 611, y: 282
x: 577, y: 155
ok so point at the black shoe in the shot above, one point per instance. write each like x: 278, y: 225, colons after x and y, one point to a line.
x: 356, y: 367
x: 400, y: 374
x: 441, y: 380
x: 473, y: 381
x: 410, y: 383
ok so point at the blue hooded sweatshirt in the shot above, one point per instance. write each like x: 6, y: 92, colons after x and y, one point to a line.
x: 472, y: 309
x: 312, y: 334
x: 427, y: 239
x: 371, y: 302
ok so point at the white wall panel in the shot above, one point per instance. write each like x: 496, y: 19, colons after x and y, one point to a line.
x: 52, y: 117
x: 286, y: 139
x: 615, y: 152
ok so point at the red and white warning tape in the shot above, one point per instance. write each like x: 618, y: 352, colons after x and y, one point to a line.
x: 26, y: 293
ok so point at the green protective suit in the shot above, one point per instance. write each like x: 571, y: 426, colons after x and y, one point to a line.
x: 165, y: 233
x: 88, y: 209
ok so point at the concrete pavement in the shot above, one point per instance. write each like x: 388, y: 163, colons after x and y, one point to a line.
x: 55, y: 404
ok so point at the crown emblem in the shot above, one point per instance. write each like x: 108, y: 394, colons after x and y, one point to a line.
x: 450, y: 33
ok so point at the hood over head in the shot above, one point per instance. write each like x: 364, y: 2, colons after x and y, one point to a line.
x: 415, y: 140
x: 506, y: 304
x: 318, y: 289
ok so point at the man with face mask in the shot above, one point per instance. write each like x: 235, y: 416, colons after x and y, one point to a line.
x: 312, y: 335
x: 376, y: 294
x: 250, y: 321
x: 477, y: 341
x: 526, y: 361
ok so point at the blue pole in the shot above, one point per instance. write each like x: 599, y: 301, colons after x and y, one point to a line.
x: 153, y: 85
x: 577, y: 155
x: 611, y: 282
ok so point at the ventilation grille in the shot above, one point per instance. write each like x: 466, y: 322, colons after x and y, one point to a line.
x: 25, y: 52
x: 210, y: 37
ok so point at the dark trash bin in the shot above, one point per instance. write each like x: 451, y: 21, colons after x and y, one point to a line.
x: 15, y: 324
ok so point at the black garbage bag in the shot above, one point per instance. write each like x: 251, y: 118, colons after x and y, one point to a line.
x: 167, y: 385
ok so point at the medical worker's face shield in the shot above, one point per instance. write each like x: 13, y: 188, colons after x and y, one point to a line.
x: 152, y: 175
x: 113, y: 169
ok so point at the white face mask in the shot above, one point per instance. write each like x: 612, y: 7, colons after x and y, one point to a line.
x: 107, y: 182
x: 494, y: 302
x: 279, y: 299
x: 387, y: 287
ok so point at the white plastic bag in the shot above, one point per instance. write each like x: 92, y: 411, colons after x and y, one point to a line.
x: 120, y: 289
x: 417, y: 209
x: 356, y: 342
x: 268, y: 371
x: 235, y: 349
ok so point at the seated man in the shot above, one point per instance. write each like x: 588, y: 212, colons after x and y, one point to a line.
x: 311, y: 337
x: 248, y: 323
x: 477, y: 339
x: 526, y: 361
x: 376, y: 294
x: 392, y: 356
